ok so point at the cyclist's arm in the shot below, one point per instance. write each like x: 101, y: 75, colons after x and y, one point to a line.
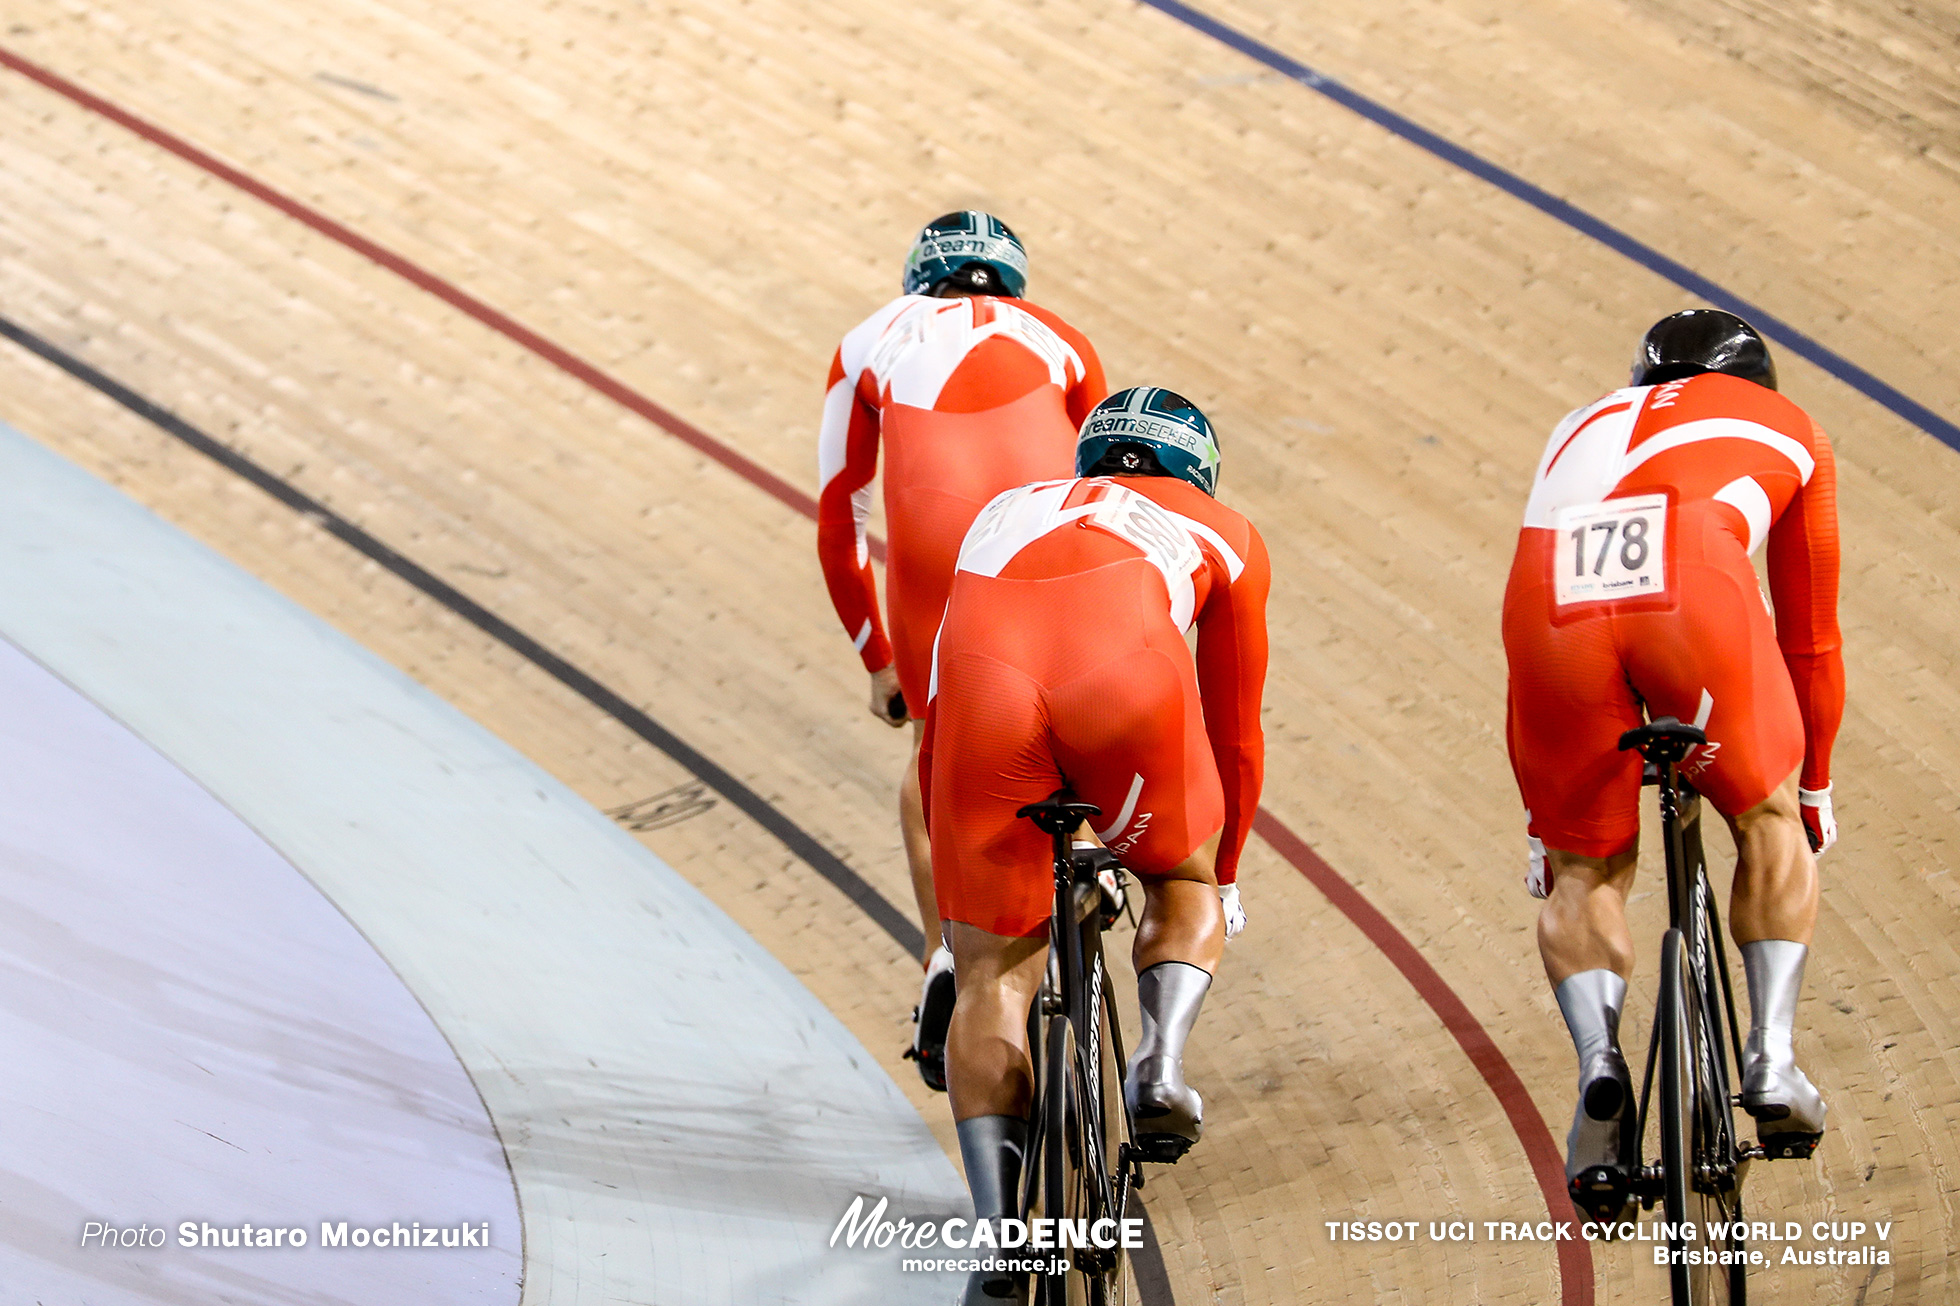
x: 847, y: 459
x: 1232, y: 680
x: 1803, y: 584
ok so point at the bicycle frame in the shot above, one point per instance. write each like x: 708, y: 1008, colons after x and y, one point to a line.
x: 1702, y: 1166
x: 1067, y: 1005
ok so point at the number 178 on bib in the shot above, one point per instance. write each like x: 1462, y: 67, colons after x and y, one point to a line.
x: 1611, y: 550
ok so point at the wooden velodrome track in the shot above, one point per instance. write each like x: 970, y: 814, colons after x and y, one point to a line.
x: 700, y: 198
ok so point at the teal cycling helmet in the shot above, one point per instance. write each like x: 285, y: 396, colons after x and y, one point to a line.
x: 976, y: 251
x: 1148, y: 431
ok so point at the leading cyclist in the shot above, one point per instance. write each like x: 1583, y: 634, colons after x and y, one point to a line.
x: 1063, y: 663
x: 1632, y: 587
x: 972, y: 390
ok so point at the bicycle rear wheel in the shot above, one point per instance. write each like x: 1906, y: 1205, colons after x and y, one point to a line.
x: 1105, y: 1136
x: 1063, y: 1187
x: 1700, y: 1198
x: 1081, y: 1151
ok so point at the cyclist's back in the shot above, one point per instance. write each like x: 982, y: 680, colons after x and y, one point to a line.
x: 969, y: 396
x: 1732, y: 466
x: 1064, y: 652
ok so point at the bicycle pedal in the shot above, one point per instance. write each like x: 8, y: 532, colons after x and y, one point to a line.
x: 1603, y: 1192
x: 1789, y: 1146
x: 1163, y: 1149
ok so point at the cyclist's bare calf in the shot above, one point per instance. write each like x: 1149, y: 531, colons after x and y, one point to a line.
x: 1182, y: 920
x: 1775, y: 894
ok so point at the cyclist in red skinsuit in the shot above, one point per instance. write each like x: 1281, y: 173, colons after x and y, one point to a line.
x: 971, y: 390
x: 1632, y: 591
x: 1062, y: 663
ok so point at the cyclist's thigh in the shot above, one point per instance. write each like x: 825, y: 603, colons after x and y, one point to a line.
x: 1715, y: 660
x: 1130, y: 737
x: 1569, y: 703
x: 990, y: 757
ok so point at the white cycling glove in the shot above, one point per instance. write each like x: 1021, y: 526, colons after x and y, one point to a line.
x: 1819, y: 822
x: 1228, y: 898
x: 1538, y: 879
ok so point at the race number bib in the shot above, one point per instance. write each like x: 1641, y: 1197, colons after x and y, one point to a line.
x: 1611, y: 550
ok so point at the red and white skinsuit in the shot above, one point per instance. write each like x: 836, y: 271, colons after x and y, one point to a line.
x: 970, y: 396
x: 1736, y: 466
x: 1062, y: 661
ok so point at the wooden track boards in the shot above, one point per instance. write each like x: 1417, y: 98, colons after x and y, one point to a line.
x: 701, y: 198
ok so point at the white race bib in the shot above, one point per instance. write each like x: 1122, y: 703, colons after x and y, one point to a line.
x: 1611, y: 550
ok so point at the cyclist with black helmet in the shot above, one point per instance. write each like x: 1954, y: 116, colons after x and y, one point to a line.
x: 1633, y: 590
x: 971, y: 390
x: 1062, y: 664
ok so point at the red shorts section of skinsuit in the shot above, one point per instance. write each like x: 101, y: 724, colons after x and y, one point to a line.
x: 1733, y: 467
x: 1062, y: 663
x: 969, y: 397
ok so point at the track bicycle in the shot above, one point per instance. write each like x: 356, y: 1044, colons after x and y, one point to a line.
x: 1698, y: 1178
x: 1082, y: 1163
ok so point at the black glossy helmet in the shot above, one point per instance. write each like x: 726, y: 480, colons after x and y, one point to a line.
x: 1700, y: 340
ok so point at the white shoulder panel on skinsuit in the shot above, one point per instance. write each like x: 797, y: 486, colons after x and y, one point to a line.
x: 1584, y: 457
x: 921, y: 349
x: 1167, y: 540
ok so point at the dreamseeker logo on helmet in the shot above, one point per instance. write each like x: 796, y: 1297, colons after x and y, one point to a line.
x: 1115, y: 426
x: 949, y: 244
x: 1153, y: 421
x: 870, y: 1229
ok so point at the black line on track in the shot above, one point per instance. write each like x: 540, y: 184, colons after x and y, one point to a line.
x: 793, y: 836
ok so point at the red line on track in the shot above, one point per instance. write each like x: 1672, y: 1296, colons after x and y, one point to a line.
x: 558, y: 356
x: 1574, y: 1257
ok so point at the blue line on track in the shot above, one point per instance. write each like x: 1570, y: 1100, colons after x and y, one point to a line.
x: 1572, y: 216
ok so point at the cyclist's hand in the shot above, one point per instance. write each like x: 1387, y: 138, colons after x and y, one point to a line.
x: 1538, y: 879
x: 885, y: 698
x: 1819, y: 823
x: 1228, y: 898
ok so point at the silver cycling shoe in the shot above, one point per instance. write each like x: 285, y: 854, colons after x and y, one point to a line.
x: 1601, y: 1152
x: 1789, y: 1110
x: 1169, y: 1114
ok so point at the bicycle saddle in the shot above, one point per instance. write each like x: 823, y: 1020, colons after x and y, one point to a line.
x: 1664, y: 739
x: 1059, y: 813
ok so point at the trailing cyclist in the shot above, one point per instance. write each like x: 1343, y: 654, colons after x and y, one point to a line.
x: 1632, y: 589
x: 1063, y: 664
x: 972, y: 390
